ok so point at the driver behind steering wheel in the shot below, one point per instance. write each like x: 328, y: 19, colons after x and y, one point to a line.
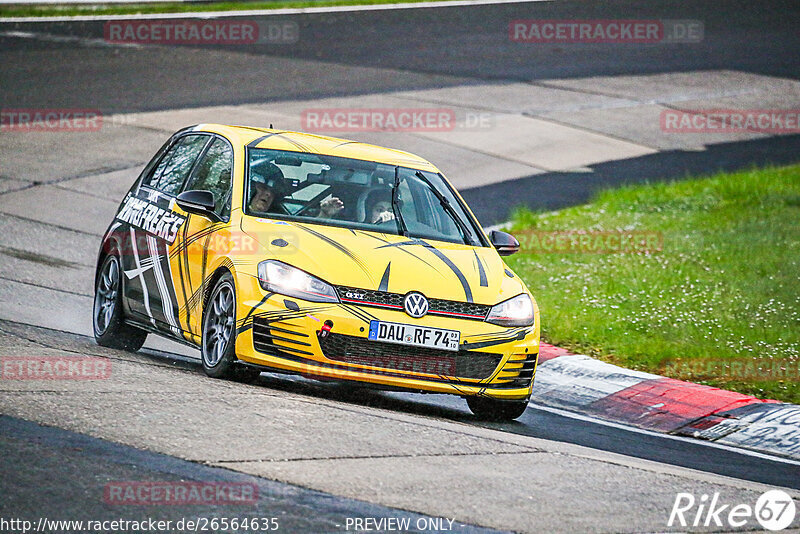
x: 379, y: 207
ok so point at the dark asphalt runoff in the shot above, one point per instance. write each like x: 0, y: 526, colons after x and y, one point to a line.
x: 66, y: 475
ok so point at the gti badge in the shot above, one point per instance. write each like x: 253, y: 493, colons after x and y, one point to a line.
x: 416, y: 305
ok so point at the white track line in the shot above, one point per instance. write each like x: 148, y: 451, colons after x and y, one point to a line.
x: 271, y: 12
x: 686, y: 439
x: 53, y: 38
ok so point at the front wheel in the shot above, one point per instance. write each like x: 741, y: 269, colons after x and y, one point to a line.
x: 496, y: 410
x: 219, y: 334
x: 108, y: 322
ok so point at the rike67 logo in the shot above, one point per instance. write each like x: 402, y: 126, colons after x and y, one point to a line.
x: 774, y: 510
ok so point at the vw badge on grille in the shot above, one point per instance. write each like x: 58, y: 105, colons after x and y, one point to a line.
x: 416, y: 305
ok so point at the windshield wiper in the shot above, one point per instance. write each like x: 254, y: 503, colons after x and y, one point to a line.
x: 396, y: 203
x: 448, y: 208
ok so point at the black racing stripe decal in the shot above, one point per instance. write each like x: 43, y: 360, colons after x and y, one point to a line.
x: 404, y: 243
x: 166, y: 284
x: 338, y: 246
x: 183, y: 264
x: 256, y: 142
x: 274, y: 316
x: 359, y: 313
x: 301, y: 146
x: 205, y: 259
x: 439, y: 254
x: 384, y: 285
x: 365, y: 312
x: 188, y: 240
x: 387, y: 243
x: 453, y: 267
x: 142, y: 274
x: 196, y: 296
x: 298, y: 144
x: 481, y: 271
x: 346, y: 143
x: 356, y: 312
x: 254, y: 308
x: 249, y: 324
x: 506, y: 335
x: 491, y: 343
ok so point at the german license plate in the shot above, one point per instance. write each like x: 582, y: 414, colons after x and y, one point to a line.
x: 416, y: 336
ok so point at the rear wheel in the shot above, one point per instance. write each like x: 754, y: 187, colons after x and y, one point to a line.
x: 108, y: 322
x: 496, y: 410
x: 219, y: 335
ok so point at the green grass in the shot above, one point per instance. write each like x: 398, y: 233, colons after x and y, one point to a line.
x: 48, y: 10
x: 720, y: 301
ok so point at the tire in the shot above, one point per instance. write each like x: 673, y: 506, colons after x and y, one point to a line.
x: 108, y: 321
x: 496, y: 410
x: 218, y: 343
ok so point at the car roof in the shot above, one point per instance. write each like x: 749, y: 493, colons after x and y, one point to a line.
x: 316, y: 144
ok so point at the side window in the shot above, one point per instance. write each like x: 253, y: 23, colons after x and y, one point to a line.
x: 214, y: 174
x: 150, y: 169
x: 176, y: 164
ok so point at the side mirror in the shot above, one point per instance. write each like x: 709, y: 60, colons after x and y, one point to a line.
x: 199, y: 203
x: 506, y: 244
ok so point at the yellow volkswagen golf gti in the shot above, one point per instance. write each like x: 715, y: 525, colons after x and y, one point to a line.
x: 288, y: 252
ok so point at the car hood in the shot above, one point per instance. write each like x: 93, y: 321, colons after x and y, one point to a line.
x: 387, y: 262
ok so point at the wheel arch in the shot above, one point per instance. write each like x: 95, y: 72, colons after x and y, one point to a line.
x: 225, y: 267
x: 110, y: 246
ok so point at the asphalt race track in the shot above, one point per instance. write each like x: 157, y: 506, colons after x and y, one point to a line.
x: 321, y: 452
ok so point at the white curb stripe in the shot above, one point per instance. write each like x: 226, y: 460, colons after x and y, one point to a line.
x: 53, y: 38
x: 775, y: 428
x: 577, y: 380
x: 620, y: 426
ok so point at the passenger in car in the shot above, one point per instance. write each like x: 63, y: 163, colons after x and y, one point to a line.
x: 379, y: 207
x: 330, y: 207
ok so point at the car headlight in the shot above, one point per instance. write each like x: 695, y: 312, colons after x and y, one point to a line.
x: 279, y: 277
x: 516, y: 311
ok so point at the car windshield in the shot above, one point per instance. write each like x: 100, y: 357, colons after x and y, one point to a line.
x: 355, y: 194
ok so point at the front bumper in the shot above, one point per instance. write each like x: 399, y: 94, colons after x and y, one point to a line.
x: 279, y: 332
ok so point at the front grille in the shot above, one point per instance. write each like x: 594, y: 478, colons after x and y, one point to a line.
x: 361, y: 351
x: 385, y: 299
